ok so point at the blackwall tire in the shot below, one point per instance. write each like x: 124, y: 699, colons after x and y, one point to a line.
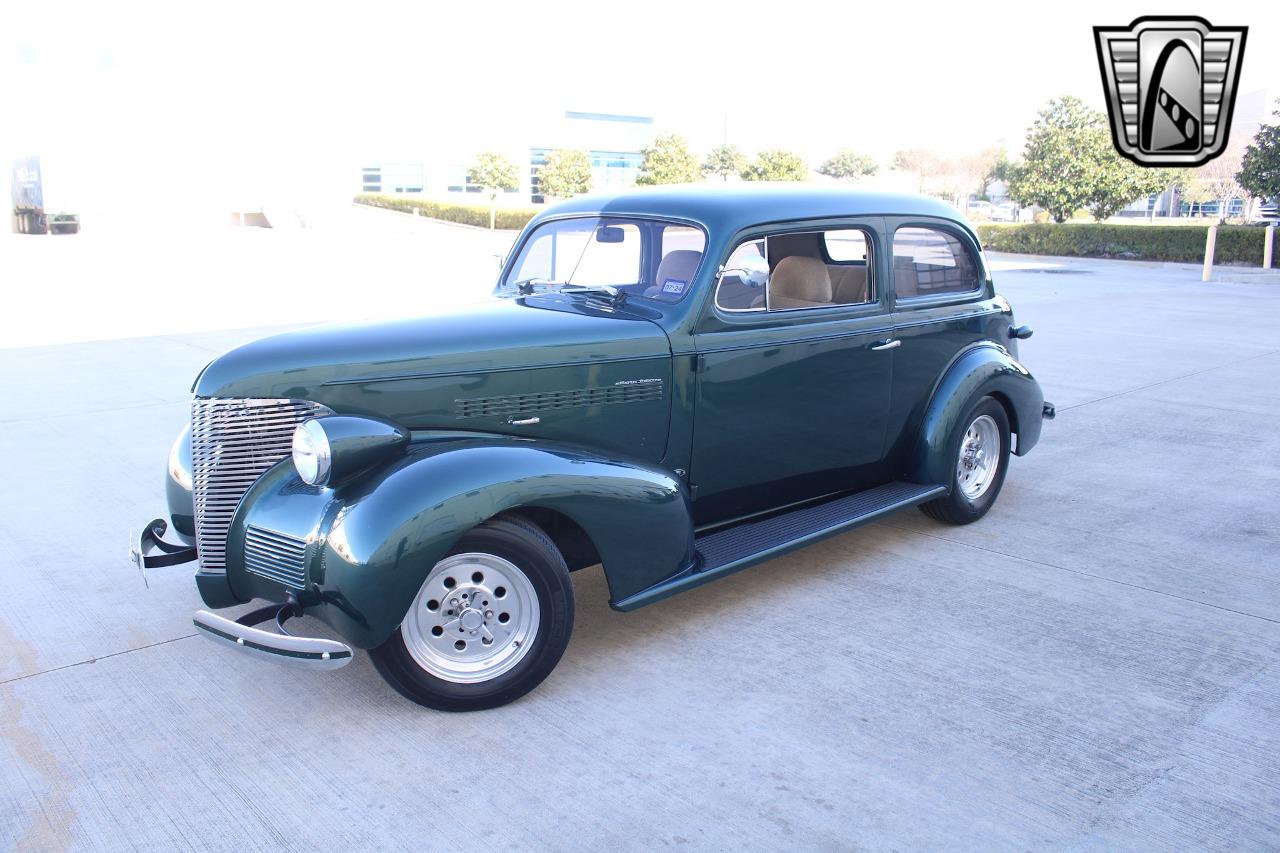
x: 978, y: 454
x: 466, y: 656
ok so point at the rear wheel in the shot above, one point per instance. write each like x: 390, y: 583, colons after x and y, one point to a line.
x: 489, y: 623
x: 979, y: 453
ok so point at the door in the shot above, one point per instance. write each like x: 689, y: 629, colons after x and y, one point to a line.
x: 794, y: 373
x: 942, y: 304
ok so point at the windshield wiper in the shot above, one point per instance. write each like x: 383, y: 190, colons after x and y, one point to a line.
x: 529, y: 286
x: 616, y: 295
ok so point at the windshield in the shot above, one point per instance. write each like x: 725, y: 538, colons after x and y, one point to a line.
x: 648, y: 258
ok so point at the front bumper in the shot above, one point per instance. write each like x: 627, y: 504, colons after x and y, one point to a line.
x: 148, y: 550
x: 306, y: 652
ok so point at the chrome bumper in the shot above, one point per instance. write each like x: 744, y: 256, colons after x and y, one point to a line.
x: 307, y: 652
x: 152, y: 539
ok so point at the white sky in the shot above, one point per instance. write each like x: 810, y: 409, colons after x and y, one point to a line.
x: 225, y: 97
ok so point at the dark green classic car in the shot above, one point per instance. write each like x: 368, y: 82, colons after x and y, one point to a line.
x: 675, y: 384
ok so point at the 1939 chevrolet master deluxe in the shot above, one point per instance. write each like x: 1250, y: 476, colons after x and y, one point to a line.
x: 676, y: 384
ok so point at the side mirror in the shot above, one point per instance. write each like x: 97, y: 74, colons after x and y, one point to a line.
x: 754, y: 271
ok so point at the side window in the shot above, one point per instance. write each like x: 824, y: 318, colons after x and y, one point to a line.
x: 846, y: 246
x: 927, y: 262
x: 848, y: 264
x: 796, y: 270
x: 739, y: 290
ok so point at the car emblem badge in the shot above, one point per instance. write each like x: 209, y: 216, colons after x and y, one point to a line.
x: 1171, y: 85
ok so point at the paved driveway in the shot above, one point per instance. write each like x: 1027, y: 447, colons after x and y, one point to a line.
x: 1093, y: 666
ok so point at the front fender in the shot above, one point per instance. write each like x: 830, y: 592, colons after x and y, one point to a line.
x: 985, y: 369
x: 380, y: 535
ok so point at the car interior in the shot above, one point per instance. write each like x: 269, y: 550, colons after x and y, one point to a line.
x: 810, y: 269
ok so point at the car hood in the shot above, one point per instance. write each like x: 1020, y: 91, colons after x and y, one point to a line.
x: 500, y: 335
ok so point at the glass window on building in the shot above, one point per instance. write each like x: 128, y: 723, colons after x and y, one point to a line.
x: 615, y: 169
x: 537, y: 159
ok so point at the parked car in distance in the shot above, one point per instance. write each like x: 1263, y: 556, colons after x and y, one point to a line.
x: 1004, y: 212
x: 978, y: 209
x: 675, y: 383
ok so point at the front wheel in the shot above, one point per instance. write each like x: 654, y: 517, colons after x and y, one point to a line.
x: 979, y: 453
x: 489, y: 623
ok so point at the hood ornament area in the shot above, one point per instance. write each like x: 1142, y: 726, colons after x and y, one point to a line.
x: 1170, y: 84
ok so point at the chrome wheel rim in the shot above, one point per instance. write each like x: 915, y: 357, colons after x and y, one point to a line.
x: 474, y: 618
x: 980, y: 452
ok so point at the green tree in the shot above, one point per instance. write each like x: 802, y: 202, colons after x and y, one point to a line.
x: 566, y: 173
x: 774, y: 164
x: 724, y: 160
x: 1070, y: 163
x: 1067, y: 149
x: 668, y: 161
x: 1120, y: 182
x: 923, y: 163
x: 998, y: 169
x: 1259, y: 173
x: 496, y: 174
x: 848, y: 165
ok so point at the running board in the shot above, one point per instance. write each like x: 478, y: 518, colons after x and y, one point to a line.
x: 735, y: 548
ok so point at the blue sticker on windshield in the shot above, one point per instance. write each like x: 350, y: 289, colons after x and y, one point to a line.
x: 674, y: 286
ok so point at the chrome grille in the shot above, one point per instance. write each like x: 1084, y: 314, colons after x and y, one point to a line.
x: 233, y: 442
x: 276, y: 556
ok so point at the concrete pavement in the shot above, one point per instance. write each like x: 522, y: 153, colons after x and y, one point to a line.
x: 1092, y: 666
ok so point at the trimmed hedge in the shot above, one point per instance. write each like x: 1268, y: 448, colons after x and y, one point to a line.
x: 1237, y: 244
x: 512, y: 219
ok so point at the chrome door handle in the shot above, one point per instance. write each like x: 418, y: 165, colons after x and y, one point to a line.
x: 892, y: 343
x: 524, y: 421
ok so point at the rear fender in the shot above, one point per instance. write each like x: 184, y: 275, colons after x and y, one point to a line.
x: 985, y: 369
x: 396, y: 523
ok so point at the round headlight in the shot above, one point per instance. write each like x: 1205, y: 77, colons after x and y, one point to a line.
x: 312, y: 455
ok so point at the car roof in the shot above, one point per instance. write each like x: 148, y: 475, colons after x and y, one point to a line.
x: 728, y: 207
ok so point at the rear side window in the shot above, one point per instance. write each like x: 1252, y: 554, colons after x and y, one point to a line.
x: 928, y: 262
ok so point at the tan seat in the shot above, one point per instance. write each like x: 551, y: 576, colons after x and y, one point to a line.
x: 799, y: 282
x: 848, y: 284
x: 678, y: 265
x: 906, y: 281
